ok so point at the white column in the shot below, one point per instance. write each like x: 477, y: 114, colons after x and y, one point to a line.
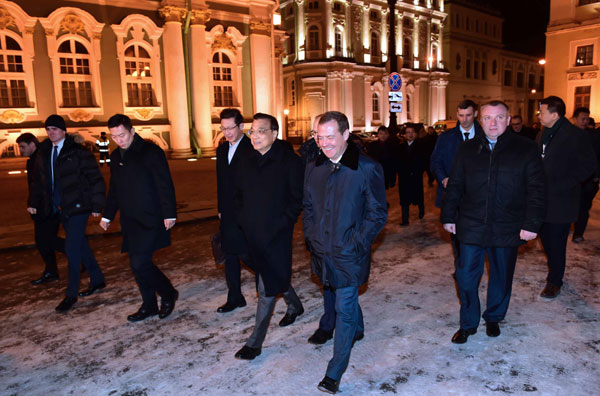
x: 261, y: 64
x: 175, y: 82
x: 347, y: 90
x: 334, y: 91
x: 200, y: 83
x: 368, y: 99
x: 329, y: 32
x: 300, y: 32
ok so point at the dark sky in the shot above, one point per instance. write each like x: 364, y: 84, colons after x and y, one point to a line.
x: 525, y: 23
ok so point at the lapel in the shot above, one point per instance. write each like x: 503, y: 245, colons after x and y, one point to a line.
x: 238, y: 151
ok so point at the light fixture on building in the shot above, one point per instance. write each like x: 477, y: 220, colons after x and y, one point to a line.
x: 276, y: 19
x: 542, y: 62
x: 533, y: 91
x: 286, y: 111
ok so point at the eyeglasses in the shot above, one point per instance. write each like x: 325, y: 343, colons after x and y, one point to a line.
x: 227, y: 129
x: 259, y: 132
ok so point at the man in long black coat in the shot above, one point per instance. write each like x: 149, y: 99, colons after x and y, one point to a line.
x: 268, y: 202
x: 142, y: 190
x: 77, y: 189
x: 45, y: 223
x: 230, y: 155
x: 495, y: 200
x: 411, y: 165
x: 568, y: 162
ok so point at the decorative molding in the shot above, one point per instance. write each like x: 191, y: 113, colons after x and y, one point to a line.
x: 260, y: 27
x: 199, y: 17
x: 172, y: 14
x: 72, y: 24
x: 6, y: 19
x: 12, y: 116
x: 80, y: 115
x: 143, y: 114
x: 582, y: 76
x: 222, y: 41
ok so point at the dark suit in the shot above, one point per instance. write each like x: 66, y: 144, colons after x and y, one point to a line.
x: 568, y: 161
x: 232, y: 238
x: 411, y: 165
x: 45, y: 222
x: 142, y: 190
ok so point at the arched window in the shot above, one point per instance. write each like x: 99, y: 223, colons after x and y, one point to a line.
x: 376, y: 108
x: 139, y: 76
x: 75, y: 77
x: 374, y: 45
x: 222, y: 80
x: 338, y: 41
x: 314, y: 39
x: 12, y: 76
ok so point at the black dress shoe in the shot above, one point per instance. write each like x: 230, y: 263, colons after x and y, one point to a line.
x: 228, y: 307
x: 329, y: 385
x: 320, y: 337
x: 357, y: 337
x: 247, y: 353
x: 66, y: 304
x: 166, y: 307
x: 550, y: 291
x: 142, y: 314
x: 46, y: 277
x: 492, y: 329
x: 461, y: 336
x: 90, y: 290
x: 288, y: 319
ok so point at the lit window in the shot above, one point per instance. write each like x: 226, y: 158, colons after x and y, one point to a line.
x: 12, y: 76
x: 582, y: 96
x: 374, y: 45
x: 313, y: 38
x: 585, y: 55
x: 138, y: 76
x: 376, y: 116
x: 75, y: 76
x: 222, y: 80
x: 338, y: 42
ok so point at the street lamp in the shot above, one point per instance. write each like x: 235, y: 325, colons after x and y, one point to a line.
x: 542, y: 62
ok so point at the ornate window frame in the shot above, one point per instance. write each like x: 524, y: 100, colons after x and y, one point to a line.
x: 16, y: 24
x: 140, y: 30
x: 230, y: 43
x: 68, y: 23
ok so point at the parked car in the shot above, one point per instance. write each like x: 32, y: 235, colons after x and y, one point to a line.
x: 441, y: 126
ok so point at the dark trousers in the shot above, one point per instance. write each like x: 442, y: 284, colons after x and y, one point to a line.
x: 588, y: 192
x: 327, y: 322
x: 104, y: 157
x: 233, y: 270
x: 554, y: 240
x: 468, y: 275
x: 78, y: 251
x: 348, y: 323
x: 264, y: 311
x: 405, y: 212
x: 150, y: 280
x: 47, y: 242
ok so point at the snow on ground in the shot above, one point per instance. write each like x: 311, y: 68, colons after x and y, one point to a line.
x: 410, y: 308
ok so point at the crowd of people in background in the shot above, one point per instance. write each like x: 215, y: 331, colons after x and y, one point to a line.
x: 500, y: 184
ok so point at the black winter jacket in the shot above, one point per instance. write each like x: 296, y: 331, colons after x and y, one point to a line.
x: 491, y: 196
x: 82, y: 187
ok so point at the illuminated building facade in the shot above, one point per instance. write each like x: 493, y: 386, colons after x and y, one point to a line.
x: 170, y: 65
x: 573, y: 54
x: 335, y: 59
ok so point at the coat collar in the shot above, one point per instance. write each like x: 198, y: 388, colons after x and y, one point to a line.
x: 349, y: 158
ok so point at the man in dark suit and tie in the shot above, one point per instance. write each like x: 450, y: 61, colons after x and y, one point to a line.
x: 142, y: 189
x: 230, y: 154
x: 77, y: 190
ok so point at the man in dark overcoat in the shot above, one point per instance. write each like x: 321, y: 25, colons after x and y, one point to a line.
x: 568, y: 162
x: 230, y: 155
x: 386, y: 151
x: 344, y: 211
x: 45, y: 222
x: 142, y: 190
x: 268, y: 201
x: 77, y: 189
x: 495, y: 200
x: 411, y: 165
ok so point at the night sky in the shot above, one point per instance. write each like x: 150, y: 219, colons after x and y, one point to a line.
x: 525, y: 23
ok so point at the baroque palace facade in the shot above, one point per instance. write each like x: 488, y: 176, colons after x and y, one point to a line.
x: 170, y: 65
x: 337, y: 58
x: 573, y: 54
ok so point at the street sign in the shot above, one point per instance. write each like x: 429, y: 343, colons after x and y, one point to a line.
x: 395, y: 96
x: 396, y: 107
x: 395, y: 81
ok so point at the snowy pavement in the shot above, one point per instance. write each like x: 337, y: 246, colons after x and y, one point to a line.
x: 410, y: 309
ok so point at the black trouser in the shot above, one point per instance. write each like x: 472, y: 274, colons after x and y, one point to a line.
x: 47, y: 242
x: 233, y: 270
x: 150, y: 279
x: 554, y: 240
x: 588, y: 192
